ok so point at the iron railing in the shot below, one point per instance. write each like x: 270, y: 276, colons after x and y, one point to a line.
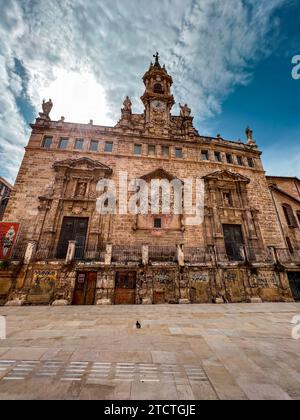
x: 259, y: 255
x: 45, y: 251
x: 196, y: 255
x: 95, y: 253
x: 163, y: 254
x: 125, y: 254
x: 230, y: 254
x: 19, y: 251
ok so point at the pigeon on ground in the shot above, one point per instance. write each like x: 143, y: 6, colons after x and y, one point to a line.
x: 138, y: 325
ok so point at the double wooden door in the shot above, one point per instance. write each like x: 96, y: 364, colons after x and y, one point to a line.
x: 85, y: 289
x: 234, y: 240
x: 125, y: 292
x: 73, y: 229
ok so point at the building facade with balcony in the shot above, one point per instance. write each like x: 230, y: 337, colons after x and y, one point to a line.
x: 70, y: 252
x: 5, y: 192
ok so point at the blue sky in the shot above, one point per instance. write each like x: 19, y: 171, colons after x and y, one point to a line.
x: 230, y: 61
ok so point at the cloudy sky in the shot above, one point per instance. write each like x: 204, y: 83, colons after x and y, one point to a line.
x: 230, y: 60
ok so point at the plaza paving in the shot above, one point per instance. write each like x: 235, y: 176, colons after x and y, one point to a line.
x: 182, y: 352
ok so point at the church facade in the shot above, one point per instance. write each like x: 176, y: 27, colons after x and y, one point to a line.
x: 69, y: 252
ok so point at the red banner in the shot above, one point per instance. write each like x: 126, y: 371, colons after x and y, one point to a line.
x: 8, y: 236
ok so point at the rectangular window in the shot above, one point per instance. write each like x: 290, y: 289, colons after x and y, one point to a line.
x: 166, y: 151
x: 218, y: 157
x: 229, y: 158
x: 289, y: 215
x: 94, y: 146
x: 250, y: 163
x: 179, y: 153
x: 151, y: 150
x: 79, y: 144
x: 205, y: 155
x: 240, y: 161
x: 157, y: 223
x: 137, y: 149
x: 47, y: 142
x: 109, y: 147
x: 63, y: 144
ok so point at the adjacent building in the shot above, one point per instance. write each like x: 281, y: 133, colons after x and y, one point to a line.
x: 5, y: 191
x: 72, y: 253
x: 285, y: 193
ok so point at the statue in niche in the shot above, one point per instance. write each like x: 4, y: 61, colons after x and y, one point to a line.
x: 47, y: 108
x: 81, y: 189
x: 185, y: 111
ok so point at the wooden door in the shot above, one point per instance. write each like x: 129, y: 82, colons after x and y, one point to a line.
x: 73, y: 229
x: 234, y: 240
x: 85, y: 289
x: 125, y: 288
x: 159, y: 298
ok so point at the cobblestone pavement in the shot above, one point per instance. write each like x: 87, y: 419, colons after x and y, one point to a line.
x: 181, y: 353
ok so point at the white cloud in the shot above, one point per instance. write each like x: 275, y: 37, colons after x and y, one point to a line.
x: 77, y: 97
x: 206, y: 45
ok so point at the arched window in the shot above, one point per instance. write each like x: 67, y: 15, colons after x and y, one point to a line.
x: 158, y: 88
x: 289, y: 215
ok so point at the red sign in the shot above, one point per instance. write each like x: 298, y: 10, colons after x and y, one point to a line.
x: 8, y: 236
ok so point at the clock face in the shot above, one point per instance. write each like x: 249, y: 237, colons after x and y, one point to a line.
x: 158, y: 105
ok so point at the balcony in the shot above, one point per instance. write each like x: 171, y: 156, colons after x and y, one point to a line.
x: 198, y: 256
x: 163, y: 254
x: 287, y: 258
x: 144, y: 255
x: 126, y: 255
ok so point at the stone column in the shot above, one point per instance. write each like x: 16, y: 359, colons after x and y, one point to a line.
x: 71, y: 252
x: 244, y: 255
x: 30, y: 252
x: 145, y: 254
x: 108, y: 254
x: 180, y: 256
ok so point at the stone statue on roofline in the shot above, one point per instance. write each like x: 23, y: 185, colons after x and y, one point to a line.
x: 127, y: 106
x: 47, y: 108
x: 249, y: 135
x: 185, y: 111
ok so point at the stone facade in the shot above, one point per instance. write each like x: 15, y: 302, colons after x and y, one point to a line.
x: 77, y: 255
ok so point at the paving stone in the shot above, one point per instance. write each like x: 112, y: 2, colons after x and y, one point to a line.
x: 191, y: 352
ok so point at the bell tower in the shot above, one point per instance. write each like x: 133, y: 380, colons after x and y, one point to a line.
x: 157, y: 99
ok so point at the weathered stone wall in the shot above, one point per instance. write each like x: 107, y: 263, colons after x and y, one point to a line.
x: 37, y: 175
x: 287, y: 231
x: 289, y: 185
x: 46, y: 284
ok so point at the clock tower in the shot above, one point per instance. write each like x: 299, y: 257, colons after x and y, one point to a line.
x: 157, y: 98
